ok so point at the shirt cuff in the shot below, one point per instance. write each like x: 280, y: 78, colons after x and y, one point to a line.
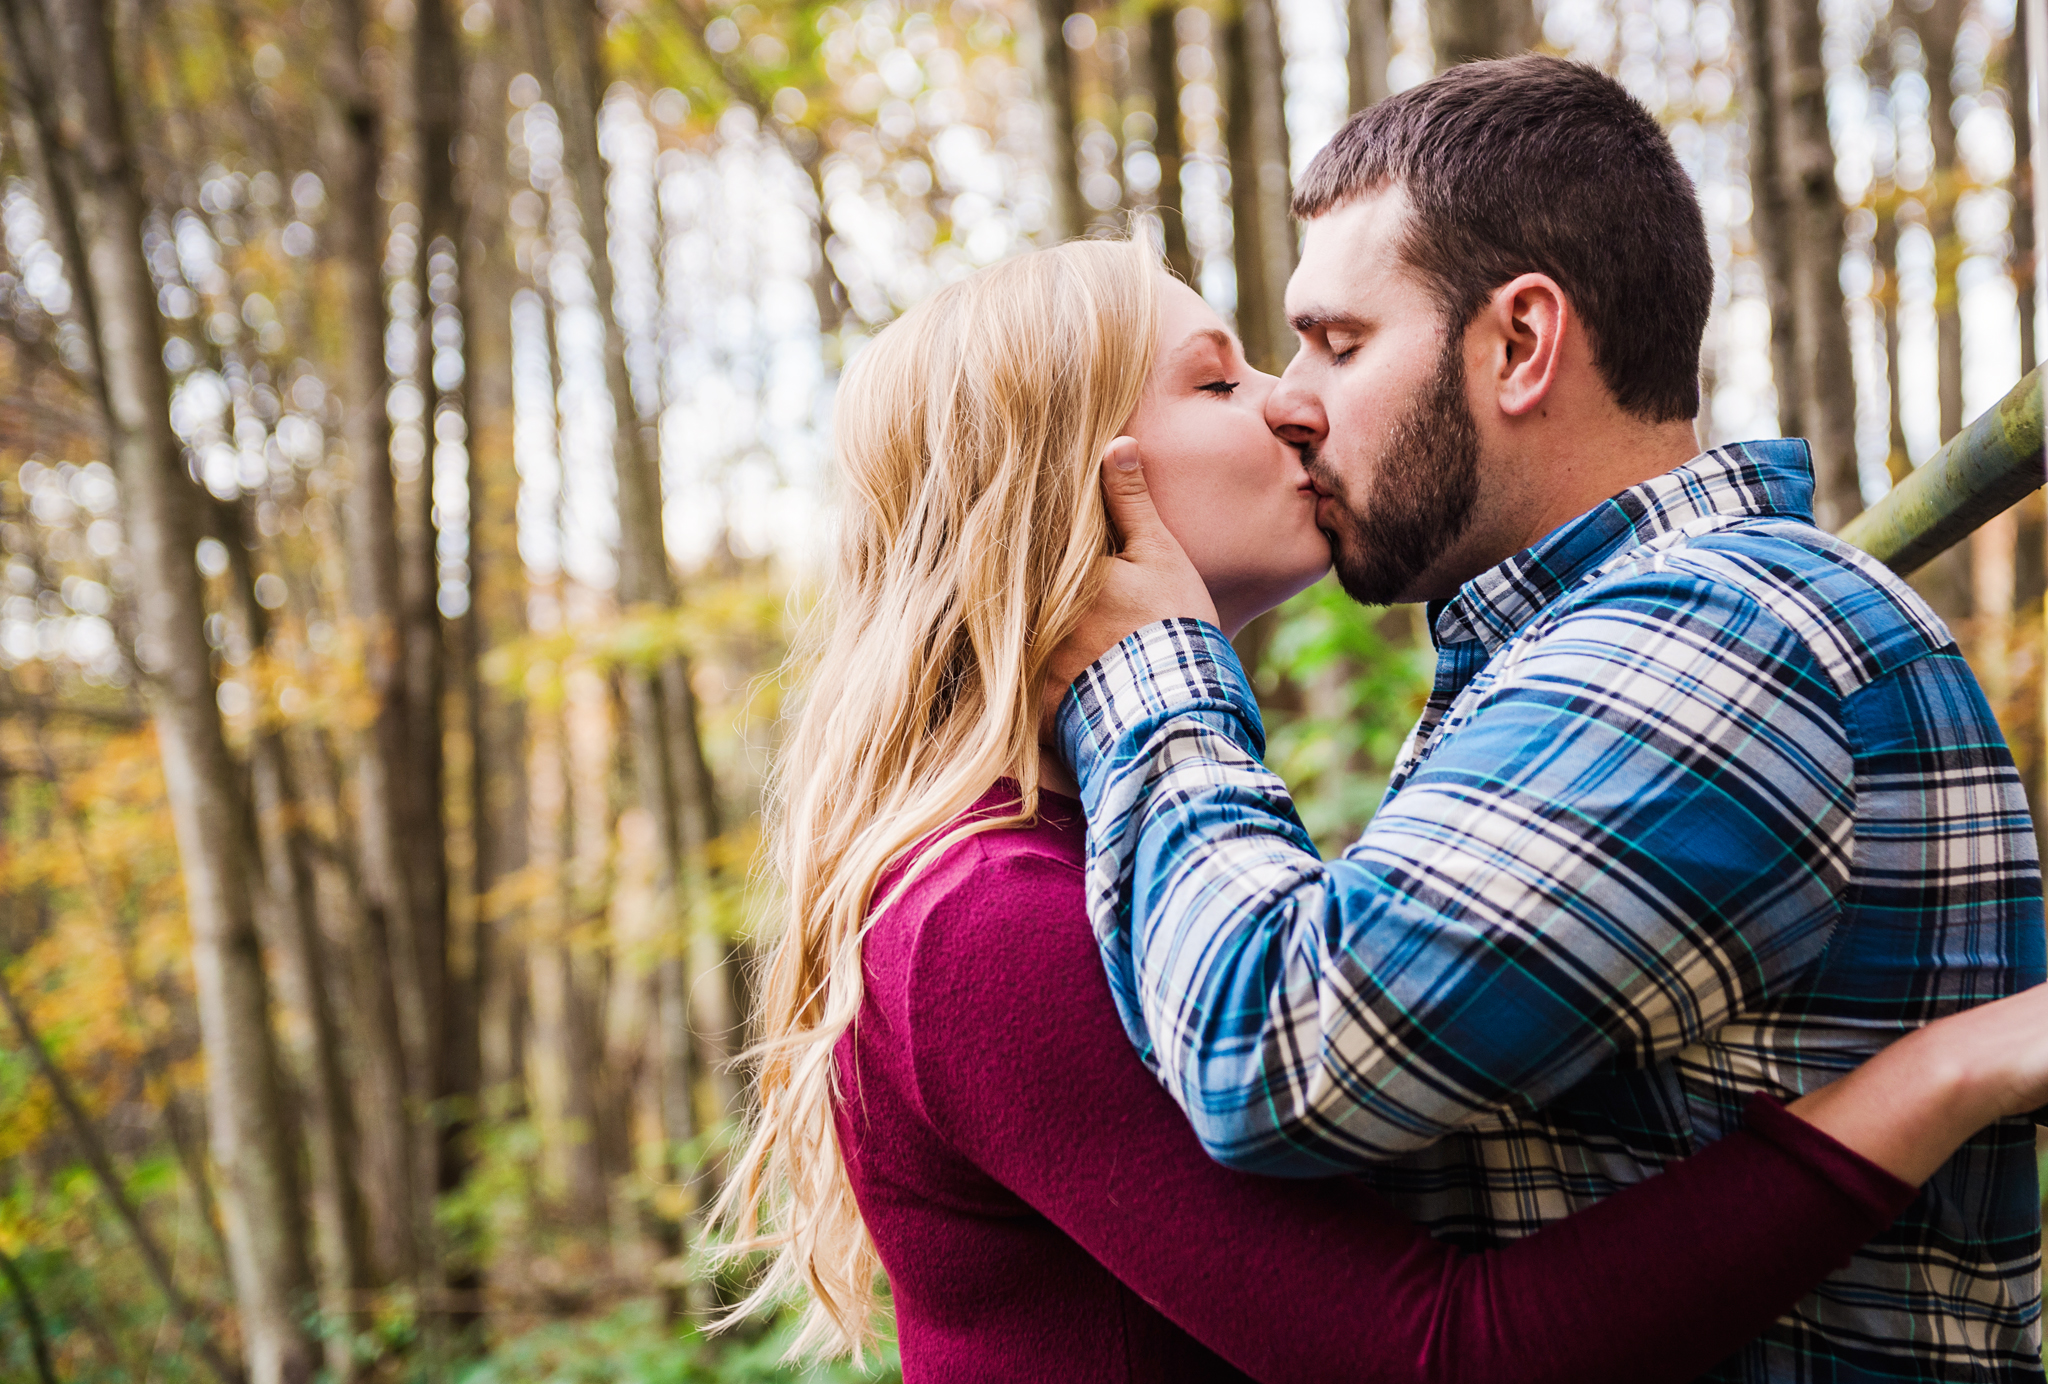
x: 1871, y: 1187
x: 1158, y: 671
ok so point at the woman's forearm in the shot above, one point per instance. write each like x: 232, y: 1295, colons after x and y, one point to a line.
x: 1911, y: 1106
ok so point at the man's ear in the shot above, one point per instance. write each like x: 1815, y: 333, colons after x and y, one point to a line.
x: 1529, y: 316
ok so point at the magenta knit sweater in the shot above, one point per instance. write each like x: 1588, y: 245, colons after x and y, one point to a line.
x: 1046, y: 1216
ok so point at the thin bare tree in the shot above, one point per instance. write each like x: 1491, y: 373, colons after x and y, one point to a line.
x: 289, y: 918
x: 497, y: 577
x: 401, y: 1210
x: 1800, y: 235
x: 671, y: 776
x: 436, y: 117
x: 2026, y: 268
x: 1162, y: 79
x: 1464, y: 30
x: 1368, y: 50
x: 1051, y: 64
x: 90, y: 151
x: 1947, y: 582
x: 1262, y: 229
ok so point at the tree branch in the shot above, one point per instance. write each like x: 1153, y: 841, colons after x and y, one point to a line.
x: 102, y: 1166
x: 39, y: 1344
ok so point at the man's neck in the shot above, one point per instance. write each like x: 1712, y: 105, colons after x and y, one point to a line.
x: 1550, y: 483
x: 1565, y: 479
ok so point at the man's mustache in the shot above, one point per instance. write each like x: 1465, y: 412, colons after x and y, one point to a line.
x: 1320, y: 476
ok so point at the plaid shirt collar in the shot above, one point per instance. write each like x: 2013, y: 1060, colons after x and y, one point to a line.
x: 1758, y: 479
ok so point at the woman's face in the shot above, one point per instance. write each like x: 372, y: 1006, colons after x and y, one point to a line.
x: 1233, y: 494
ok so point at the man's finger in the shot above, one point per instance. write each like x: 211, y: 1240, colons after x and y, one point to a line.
x: 1129, y: 499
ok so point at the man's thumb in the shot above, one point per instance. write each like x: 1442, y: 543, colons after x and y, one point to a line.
x: 1129, y: 499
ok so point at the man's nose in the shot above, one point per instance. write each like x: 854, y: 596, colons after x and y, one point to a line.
x: 1293, y: 411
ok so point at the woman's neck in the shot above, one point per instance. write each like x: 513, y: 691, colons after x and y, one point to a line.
x: 1053, y: 774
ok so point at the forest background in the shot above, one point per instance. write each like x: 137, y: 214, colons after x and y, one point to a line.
x: 413, y: 449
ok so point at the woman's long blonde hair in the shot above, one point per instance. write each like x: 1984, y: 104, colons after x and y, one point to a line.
x: 967, y: 438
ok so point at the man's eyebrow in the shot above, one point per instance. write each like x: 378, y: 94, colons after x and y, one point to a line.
x: 1322, y: 319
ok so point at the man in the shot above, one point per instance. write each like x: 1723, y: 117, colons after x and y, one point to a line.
x: 1703, y: 800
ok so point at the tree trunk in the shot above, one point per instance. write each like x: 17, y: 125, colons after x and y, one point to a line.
x: 1370, y: 49
x: 1996, y: 550
x: 1823, y: 377
x: 293, y: 936
x: 1261, y: 227
x: 1051, y: 64
x: 368, y: 1003
x: 715, y: 1008
x: 564, y: 1064
x: 1947, y: 582
x: 442, y: 278
x: 2030, y: 107
x: 1247, y: 255
x: 661, y: 712
x: 383, y: 822
x: 289, y: 918
x: 2036, y: 116
x: 1798, y: 227
x: 251, y: 1141
x: 2025, y: 267
x: 1162, y: 55
x: 437, y: 102
x: 1937, y: 31
x: 1465, y: 30
x: 1770, y: 219
x: 497, y: 579
x: 1274, y: 172
x: 1885, y: 250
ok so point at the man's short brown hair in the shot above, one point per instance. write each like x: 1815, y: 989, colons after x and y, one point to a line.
x: 1538, y: 165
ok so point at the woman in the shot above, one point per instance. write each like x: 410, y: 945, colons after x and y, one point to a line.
x: 946, y: 1092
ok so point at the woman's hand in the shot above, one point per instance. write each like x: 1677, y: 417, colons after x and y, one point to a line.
x: 1911, y: 1106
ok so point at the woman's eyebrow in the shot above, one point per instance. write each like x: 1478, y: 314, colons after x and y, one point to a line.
x: 1213, y: 336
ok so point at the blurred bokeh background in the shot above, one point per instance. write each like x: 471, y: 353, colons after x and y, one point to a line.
x: 414, y: 457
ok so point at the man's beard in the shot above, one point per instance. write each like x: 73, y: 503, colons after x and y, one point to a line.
x: 1419, y: 500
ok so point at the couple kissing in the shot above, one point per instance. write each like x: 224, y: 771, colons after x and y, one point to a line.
x: 1678, y: 1014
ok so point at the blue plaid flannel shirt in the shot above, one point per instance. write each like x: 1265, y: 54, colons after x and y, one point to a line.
x: 1704, y: 801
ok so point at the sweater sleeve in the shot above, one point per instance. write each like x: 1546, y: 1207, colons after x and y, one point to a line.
x: 1022, y: 1064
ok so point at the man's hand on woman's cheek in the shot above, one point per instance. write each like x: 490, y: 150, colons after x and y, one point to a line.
x: 1150, y: 580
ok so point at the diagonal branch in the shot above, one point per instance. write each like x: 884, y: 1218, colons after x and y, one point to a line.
x: 102, y: 1166
x: 38, y: 1343
x: 25, y: 38
x: 743, y: 87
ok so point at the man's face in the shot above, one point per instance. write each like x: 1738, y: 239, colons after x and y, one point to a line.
x: 1376, y: 399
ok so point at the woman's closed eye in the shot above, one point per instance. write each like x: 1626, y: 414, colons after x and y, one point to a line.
x: 1222, y: 389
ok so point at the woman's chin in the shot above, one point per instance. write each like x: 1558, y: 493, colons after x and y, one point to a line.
x: 1303, y: 577
x: 1243, y: 603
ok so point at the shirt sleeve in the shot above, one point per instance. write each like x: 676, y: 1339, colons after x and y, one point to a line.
x: 1633, y: 823
x: 1022, y: 1066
